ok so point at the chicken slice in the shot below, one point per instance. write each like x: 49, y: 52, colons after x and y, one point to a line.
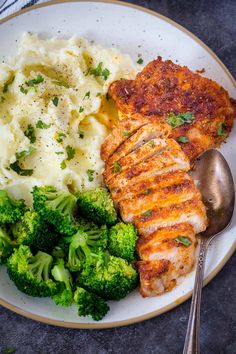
x: 119, y: 134
x: 146, y: 185
x: 165, y: 244
x: 191, y: 211
x: 156, y: 277
x: 161, y: 197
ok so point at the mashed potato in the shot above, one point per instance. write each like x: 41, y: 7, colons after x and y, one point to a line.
x: 54, y: 114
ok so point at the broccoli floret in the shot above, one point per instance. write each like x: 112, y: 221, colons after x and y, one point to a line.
x: 56, y: 207
x: 85, y: 243
x: 90, y: 304
x: 10, y: 210
x: 122, y: 240
x: 108, y: 276
x: 6, y: 245
x: 61, y: 274
x: 33, y: 231
x: 97, y: 205
x: 31, y: 274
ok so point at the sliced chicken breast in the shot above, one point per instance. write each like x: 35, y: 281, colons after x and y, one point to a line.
x: 147, y: 175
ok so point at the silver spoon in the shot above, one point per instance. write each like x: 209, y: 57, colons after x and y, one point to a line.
x: 215, y: 182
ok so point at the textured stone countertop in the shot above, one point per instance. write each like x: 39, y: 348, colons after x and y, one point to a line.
x: 213, y: 21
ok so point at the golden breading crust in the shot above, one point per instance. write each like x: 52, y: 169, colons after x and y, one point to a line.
x: 164, y: 87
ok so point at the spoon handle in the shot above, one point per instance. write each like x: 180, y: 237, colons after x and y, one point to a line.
x: 192, y: 344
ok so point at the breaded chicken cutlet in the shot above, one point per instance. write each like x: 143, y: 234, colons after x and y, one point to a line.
x: 146, y: 173
x: 199, y: 110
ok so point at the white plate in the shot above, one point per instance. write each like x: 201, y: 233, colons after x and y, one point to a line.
x: 132, y: 30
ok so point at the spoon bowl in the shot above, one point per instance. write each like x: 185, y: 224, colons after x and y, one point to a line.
x: 214, y: 180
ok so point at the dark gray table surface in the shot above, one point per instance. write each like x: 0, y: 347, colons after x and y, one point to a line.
x: 213, y: 21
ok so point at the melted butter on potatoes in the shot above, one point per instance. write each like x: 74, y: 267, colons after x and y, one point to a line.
x: 54, y: 113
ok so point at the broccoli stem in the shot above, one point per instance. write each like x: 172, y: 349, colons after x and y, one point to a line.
x: 4, y: 239
x: 40, y: 265
x: 60, y: 273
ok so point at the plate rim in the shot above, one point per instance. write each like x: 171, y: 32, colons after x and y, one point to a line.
x: 210, y: 276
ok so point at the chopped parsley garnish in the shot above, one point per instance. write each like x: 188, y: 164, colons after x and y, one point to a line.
x: 81, y: 134
x: 41, y: 125
x: 61, y: 83
x: 147, y: 213
x: 184, y: 240
x: 23, y: 90
x: 30, y: 133
x: 59, y: 137
x: 221, y: 128
x: 176, y: 120
x: 151, y: 143
x: 19, y: 170
x: 25, y: 153
x: 59, y: 152
x: 9, y: 82
x: 90, y: 174
x: 39, y: 79
x: 55, y: 101
x: 183, y: 139
x: 105, y: 74
x: 147, y: 191
x: 63, y: 165
x: 70, y: 152
x: 81, y: 109
x: 126, y: 134
x: 87, y: 95
x: 117, y: 167
x: 140, y: 61
x: 99, y: 71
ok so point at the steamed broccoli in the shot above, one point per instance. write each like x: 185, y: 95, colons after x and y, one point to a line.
x: 33, y: 231
x: 10, y: 210
x: 88, y: 240
x: 31, y: 274
x: 122, y: 240
x: 110, y: 277
x: 61, y: 274
x: 90, y: 304
x: 97, y: 206
x: 56, y: 207
x: 6, y: 245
